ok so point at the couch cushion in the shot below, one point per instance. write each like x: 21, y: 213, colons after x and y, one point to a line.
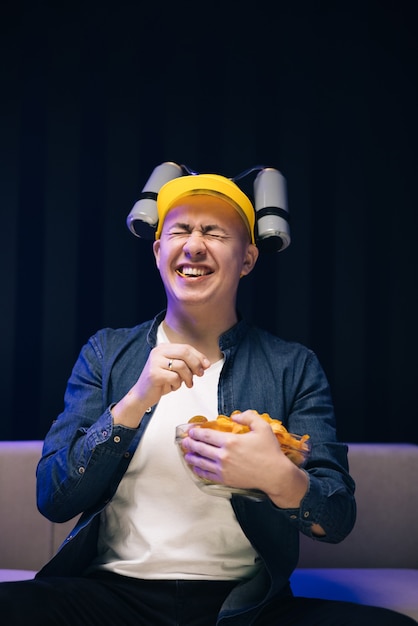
x: 25, y: 533
x: 11, y: 575
x: 395, y: 589
x: 386, y: 532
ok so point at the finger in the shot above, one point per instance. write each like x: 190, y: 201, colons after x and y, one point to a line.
x: 196, y: 361
x: 179, y: 372
x: 197, y: 449
x: 206, y: 469
x: 204, y: 461
x: 209, y: 438
x: 184, y: 367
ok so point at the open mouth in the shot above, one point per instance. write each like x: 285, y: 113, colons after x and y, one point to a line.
x: 186, y: 271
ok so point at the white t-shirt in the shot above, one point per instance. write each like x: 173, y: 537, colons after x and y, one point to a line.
x: 159, y: 525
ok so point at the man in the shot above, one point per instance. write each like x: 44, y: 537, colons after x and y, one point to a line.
x: 150, y: 548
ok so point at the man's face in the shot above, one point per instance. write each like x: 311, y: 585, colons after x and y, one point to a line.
x: 203, y: 251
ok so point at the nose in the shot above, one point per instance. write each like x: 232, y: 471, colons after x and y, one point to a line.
x: 195, y: 244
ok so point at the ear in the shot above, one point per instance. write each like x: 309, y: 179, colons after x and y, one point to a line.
x: 156, y: 250
x: 250, y: 259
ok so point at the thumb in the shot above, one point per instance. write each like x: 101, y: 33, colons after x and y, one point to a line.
x: 249, y: 418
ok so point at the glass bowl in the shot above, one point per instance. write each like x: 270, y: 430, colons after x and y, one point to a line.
x: 298, y: 454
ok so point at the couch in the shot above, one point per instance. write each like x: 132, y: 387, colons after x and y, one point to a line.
x: 376, y: 564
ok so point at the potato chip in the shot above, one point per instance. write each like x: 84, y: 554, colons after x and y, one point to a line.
x: 198, y: 419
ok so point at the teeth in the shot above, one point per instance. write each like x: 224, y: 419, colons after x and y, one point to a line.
x: 192, y: 271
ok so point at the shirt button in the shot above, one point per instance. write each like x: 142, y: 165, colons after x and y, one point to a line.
x: 81, y: 470
x: 104, y: 433
x: 116, y: 439
x: 149, y: 409
x: 306, y: 514
x: 127, y: 455
x: 293, y: 517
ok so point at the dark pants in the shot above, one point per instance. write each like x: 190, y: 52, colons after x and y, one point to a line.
x: 108, y: 599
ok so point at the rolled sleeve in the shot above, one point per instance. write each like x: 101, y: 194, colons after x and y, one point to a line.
x: 327, y: 503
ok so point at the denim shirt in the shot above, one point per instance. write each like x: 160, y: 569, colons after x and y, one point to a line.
x: 85, y: 456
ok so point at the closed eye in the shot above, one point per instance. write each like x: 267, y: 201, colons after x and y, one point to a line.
x: 211, y: 231
x: 215, y: 235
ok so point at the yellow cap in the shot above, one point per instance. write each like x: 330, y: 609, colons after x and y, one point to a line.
x: 173, y: 192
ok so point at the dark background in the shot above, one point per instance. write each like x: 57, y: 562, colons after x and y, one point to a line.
x: 94, y: 96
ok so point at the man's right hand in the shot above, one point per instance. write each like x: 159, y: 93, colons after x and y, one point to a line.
x: 169, y: 365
